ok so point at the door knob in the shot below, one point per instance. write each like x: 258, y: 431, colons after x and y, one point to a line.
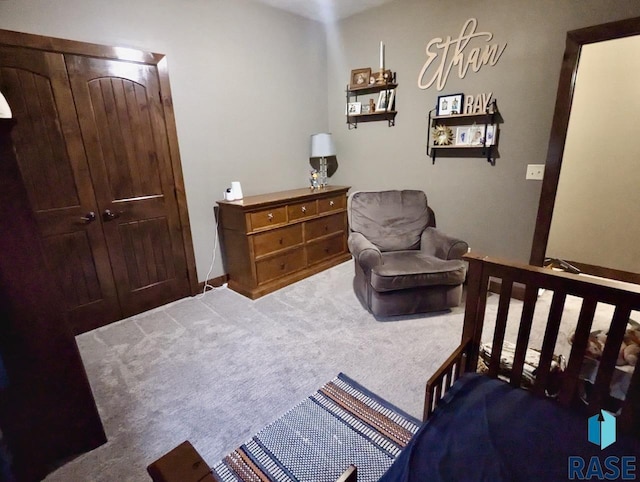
x: 89, y: 217
x: 108, y: 215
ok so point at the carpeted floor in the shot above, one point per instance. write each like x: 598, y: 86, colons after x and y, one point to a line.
x: 216, y: 369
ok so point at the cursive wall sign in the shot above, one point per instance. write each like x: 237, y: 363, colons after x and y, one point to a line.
x: 451, y: 52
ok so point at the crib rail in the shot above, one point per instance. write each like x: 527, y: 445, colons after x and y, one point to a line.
x: 444, y: 377
x: 623, y: 297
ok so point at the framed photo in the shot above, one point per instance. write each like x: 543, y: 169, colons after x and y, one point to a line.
x: 360, y: 78
x: 366, y: 109
x: 385, y: 100
x: 354, y: 108
x: 462, y: 136
x: 450, y: 104
x: 491, y: 135
x: 476, y: 135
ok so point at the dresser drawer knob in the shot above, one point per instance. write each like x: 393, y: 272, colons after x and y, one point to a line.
x: 326, y: 250
x: 282, y: 266
x: 270, y: 216
x: 304, y: 209
x: 280, y: 240
x: 331, y: 203
x: 326, y: 228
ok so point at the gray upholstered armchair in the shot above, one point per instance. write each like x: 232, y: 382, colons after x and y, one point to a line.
x: 403, y: 264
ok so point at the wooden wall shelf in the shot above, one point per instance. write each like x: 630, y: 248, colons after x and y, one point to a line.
x: 491, y: 117
x: 388, y: 115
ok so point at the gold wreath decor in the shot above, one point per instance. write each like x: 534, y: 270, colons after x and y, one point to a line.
x: 442, y: 136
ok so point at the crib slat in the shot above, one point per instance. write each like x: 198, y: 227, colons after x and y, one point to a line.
x: 501, y: 326
x: 609, y: 356
x: 526, y: 320
x: 576, y: 357
x: 549, y: 342
x: 630, y: 416
x: 451, y: 369
x: 477, y: 285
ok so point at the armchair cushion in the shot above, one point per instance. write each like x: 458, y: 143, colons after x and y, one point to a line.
x: 391, y: 220
x: 412, y: 269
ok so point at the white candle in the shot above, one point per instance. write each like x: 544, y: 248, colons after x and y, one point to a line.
x: 381, y: 56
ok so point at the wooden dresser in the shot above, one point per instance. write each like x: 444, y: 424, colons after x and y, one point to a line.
x: 272, y: 240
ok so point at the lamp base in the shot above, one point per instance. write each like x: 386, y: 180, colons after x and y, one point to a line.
x: 332, y: 164
x: 323, y: 172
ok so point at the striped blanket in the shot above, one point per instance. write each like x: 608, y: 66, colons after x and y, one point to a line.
x: 341, y: 424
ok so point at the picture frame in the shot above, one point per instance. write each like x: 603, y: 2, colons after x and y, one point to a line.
x: 360, y: 78
x: 450, y: 104
x: 366, y: 108
x: 354, y: 108
x: 462, y: 136
x: 492, y: 131
x: 385, y: 100
x: 477, y: 135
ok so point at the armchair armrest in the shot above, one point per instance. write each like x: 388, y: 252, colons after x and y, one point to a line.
x: 364, y: 251
x: 436, y: 243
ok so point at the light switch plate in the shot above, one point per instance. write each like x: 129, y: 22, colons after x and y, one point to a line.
x: 535, y: 171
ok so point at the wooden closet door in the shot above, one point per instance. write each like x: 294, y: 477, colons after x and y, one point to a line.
x: 54, y: 168
x: 123, y: 126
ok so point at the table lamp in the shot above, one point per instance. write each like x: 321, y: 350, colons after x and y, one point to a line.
x: 5, y: 110
x: 322, y: 147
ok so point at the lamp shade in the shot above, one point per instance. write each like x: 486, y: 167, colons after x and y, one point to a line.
x: 5, y: 110
x: 322, y: 145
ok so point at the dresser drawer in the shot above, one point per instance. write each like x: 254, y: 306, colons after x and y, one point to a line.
x: 324, y: 226
x: 276, y: 239
x: 302, y: 210
x: 334, y: 203
x: 268, y: 217
x: 272, y: 268
x: 327, y: 248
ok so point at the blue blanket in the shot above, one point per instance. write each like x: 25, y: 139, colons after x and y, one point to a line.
x: 486, y: 430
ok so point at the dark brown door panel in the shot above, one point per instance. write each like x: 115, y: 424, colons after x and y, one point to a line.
x: 54, y: 168
x: 123, y: 126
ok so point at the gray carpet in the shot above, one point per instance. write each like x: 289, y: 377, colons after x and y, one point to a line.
x: 216, y: 369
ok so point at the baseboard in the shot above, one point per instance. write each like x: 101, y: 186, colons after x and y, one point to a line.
x: 517, y: 291
x: 215, y: 282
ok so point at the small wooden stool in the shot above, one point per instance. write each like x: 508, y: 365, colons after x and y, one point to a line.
x: 181, y: 464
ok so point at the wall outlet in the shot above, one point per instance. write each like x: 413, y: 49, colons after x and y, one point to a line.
x: 535, y: 171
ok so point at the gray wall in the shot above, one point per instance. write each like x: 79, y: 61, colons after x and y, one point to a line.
x: 248, y: 83
x: 493, y: 208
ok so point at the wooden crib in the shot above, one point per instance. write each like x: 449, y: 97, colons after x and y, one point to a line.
x: 624, y: 297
